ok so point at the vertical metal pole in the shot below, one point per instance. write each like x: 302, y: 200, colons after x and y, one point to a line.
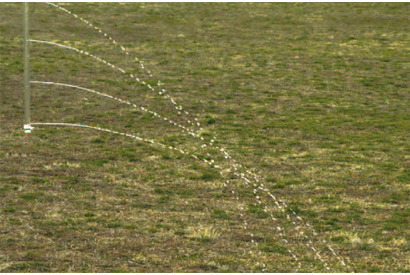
x: 27, y: 94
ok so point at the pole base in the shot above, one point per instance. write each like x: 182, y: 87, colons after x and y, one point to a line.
x: 28, y: 128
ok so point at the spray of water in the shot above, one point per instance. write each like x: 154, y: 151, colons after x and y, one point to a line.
x: 211, y: 162
x: 123, y: 101
x: 254, y: 182
x: 162, y: 146
x: 162, y: 91
x: 247, y: 181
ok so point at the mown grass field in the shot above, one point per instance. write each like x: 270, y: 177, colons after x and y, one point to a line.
x: 313, y: 98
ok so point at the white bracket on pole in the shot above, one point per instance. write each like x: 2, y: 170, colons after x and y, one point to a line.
x: 28, y: 128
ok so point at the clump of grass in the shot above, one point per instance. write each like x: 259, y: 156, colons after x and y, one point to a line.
x: 338, y: 239
x: 206, y: 175
x: 209, y: 175
x: 295, y: 207
x: 185, y: 193
x: 8, y: 210
x: 395, y: 197
x: 7, y: 188
x: 163, y: 199
x: 162, y: 191
x: 97, y: 140
x: 399, y: 242
x: 273, y: 247
x: 257, y: 210
x: 203, y: 233
x: 97, y: 162
x: 220, y: 214
x: 31, y: 196
x: 89, y: 214
x: 397, y: 219
x: 280, y: 185
x: 211, y: 121
x: 129, y: 154
x: 114, y: 224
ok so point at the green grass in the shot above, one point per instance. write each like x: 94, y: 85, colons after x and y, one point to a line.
x: 312, y: 97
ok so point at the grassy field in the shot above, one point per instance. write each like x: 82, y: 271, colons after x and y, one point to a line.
x: 312, y: 98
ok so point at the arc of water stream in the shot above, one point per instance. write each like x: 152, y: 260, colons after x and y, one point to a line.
x: 124, y: 51
x: 278, y: 228
x: 180, y: 108
x: 158, y: 116
x: 310, y: 245
x: 260, y: 186
x: 227, y: 155
x: 123, y: 72
x: 298, y: 219
x: 107, y: 64
x: 144, y: 109
x: 211, y: 162
x: 133, y: 136
x: 278, y: 204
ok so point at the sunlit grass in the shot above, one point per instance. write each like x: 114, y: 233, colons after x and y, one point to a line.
x: 313, y: 98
